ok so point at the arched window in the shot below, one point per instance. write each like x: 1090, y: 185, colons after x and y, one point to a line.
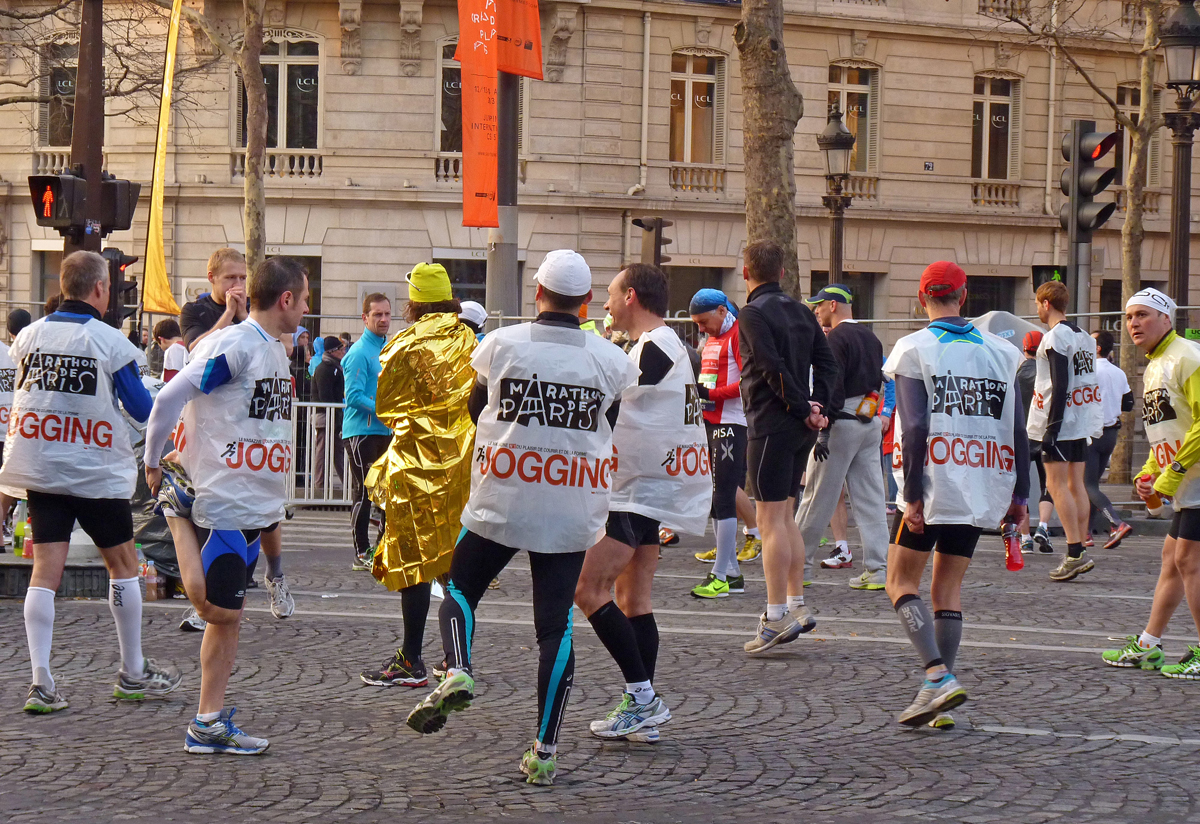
x: 58, y: 65
x: 447, y: 136
x: 697, y: 107
x: 1129, y: 99
x: 291, y: 64
x: 854, y: 87
x: 996, y: 128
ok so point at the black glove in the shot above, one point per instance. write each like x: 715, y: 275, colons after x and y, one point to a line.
x: 702, y: 391
x: 821, y: 450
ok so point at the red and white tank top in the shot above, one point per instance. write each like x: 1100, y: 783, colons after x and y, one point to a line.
x: 721, y: 373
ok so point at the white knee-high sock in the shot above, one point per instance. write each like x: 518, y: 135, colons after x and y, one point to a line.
x: 125, y: 602
x: 39, y: 631
x: 727, y: 563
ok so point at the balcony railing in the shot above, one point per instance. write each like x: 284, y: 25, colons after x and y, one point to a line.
x: 1004, y: 8
x: 996, y: 194
x: 859, y: 187
x: 447, y: 168
x: 693, y: 178
x: 54, y: 160
x: 281, y: 164
x: 1150, y: 200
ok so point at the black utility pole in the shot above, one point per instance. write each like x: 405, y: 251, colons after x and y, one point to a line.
x: 87, y: 129
x: 503, y: 280
x: 837, y: 204
x: 1183, y: 123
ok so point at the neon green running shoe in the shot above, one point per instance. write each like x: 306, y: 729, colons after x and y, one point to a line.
x: 942, y: 721
x: 454, y: 694
x: 539, y: 768
x: 709, y: 557
x: 712, y: 587
x: 823, y: 542
x: 1133, y: 655
x: 1188, y: 667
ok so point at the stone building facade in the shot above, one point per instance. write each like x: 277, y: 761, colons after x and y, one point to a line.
x: 957, y: 156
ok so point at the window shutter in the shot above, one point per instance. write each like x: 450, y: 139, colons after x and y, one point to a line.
x: 1154, y: 166
x: 44, y: 107
x: 873, y: 110
x: 719, y: 116
x: 1014, y: 133
x: 522, y: 91
x: 240, y: 118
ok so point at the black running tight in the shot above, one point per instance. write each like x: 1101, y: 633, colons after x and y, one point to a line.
x: 476, y: 562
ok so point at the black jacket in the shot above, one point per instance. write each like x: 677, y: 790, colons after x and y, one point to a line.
x: 328, y: 384
x: 860, y: 356
x: 781, y: 341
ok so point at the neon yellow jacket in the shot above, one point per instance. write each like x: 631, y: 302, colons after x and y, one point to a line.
x: 1171, y: 412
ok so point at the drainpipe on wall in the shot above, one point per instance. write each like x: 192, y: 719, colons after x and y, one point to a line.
x: 1052, y: 131
x: 640, y: 186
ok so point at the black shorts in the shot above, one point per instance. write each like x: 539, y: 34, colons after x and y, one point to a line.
x: 632, y: 529
x: 727, y: 443
x: 948, y: 539
x: 107, y: 521
x: 777, y: 463
x: 1065, y: 451
x: 1185, y: 524
x: 228, y: 557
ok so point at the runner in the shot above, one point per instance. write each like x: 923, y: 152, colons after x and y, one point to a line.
x: 170, y: 340
x: 365, y: 435
x: 424, y: 478
x: 72, y: 368
x: 964, y: 466
x: 783, y: 348
x: 725, y: 421
x: 8, y: 377
x: 1169, y: 402
x: 662, y: 478
x: 235, y: 443
x: 545, y: 400
x: 1115, y: 397
x: 847, y: 452
x: 1064, y: 415
x: 1026, y: 378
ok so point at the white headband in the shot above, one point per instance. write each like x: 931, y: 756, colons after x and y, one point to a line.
x: 1153, y: 299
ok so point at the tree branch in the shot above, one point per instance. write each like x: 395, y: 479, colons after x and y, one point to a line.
x: 205, y: 25
x: 41, y: 14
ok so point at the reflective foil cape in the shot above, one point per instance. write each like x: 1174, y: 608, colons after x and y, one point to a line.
x: 423, y: 480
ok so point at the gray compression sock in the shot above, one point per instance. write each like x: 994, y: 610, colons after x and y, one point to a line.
x: 918, y: 623
x: 947, y: 628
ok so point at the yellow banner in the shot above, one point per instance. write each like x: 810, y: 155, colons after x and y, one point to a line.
x: 156, y: 286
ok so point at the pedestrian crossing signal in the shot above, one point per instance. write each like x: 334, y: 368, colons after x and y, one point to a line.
x: 58, y: 200
x: 1043, y: 273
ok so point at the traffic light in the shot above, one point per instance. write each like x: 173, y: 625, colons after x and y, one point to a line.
x: 652, y: 239
x: 1044, y: 273
x: 122, y: 295
x: 1082, y: 180
x: 118, y: 199
x: 58, y: 200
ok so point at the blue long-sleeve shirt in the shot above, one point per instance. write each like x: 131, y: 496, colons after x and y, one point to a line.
x: 360, y: 368
x: 889, y: 396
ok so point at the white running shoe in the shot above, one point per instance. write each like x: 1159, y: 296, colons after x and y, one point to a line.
x: 935, y: 697
x: 192, y: 622
x: 282, y: 603
x: 630, y: 717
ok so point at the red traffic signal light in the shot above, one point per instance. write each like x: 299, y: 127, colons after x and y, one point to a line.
x: 58, y: 200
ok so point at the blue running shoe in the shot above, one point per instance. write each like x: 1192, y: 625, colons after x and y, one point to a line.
x: 222, y: 736
x: 176, y: 495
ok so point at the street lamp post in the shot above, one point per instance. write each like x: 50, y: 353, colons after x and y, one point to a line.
x: 836, y: 144
x: 1180, y: 38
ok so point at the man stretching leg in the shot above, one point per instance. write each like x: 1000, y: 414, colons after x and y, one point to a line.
x: 236, y: 445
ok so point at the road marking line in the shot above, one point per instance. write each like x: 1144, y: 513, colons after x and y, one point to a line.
x: 1112, y: 736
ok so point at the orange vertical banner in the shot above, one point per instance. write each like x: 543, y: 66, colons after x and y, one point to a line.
x: 476, y: 54
x: 519, y: 38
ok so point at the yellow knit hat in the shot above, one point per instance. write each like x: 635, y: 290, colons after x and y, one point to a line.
x: 428, y: 283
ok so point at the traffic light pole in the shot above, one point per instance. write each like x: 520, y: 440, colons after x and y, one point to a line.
x: 837, y: 204
x: 503, y: 278
x: 87, y: 128
x: 1074, y: 280
x: 1183, y: 124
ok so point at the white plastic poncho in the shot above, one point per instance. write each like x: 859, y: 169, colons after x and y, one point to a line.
x: 1084, y: 415
x: 8, y: 377
x: 236, y: 438
x: 663, y: 469
x: 540, y: 476
x: 969, y: 465
x: 66, y: 433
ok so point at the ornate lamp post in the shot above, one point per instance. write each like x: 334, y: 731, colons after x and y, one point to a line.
x: 1180, y: 38
x: 836, y: 143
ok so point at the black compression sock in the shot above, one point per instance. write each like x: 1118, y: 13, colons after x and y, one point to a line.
x: 646, y: 630
x: 616, y: 633
x: 1074, y: 550
x: 414, y: 606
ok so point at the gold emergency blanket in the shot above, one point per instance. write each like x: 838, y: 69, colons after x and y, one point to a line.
x: 423, y: 480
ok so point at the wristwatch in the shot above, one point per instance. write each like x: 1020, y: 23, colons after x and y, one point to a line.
x: 1176, y: 466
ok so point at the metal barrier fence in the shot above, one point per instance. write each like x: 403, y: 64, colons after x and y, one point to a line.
x: 319, y: 466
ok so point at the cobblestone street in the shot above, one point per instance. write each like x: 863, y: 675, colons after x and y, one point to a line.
x: 808, y: 733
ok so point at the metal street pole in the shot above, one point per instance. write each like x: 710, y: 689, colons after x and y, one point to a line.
x: 503, y: 278
x: 1182, y: 123
x: 837, y: 204
x: 87, y: 127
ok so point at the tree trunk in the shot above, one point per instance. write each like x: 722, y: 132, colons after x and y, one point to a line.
x: 1133, y: 232
x: 772, y: 106
x: 249, y: 62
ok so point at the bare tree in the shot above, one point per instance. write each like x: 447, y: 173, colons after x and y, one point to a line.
x: 772, y: 108
x: 1068, y: 27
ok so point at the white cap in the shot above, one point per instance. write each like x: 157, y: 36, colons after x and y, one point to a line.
x: 1154, y: 299
x: 565, y: 272
x: 473, y: 312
